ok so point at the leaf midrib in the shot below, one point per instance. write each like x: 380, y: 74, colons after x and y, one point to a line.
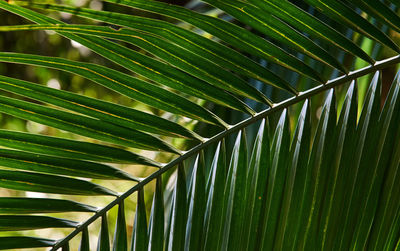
x: 232, y: 129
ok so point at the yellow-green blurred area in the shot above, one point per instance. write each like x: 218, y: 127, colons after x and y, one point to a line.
x: 48, y: 43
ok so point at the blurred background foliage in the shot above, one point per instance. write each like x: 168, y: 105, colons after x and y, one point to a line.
x: 50, y: 44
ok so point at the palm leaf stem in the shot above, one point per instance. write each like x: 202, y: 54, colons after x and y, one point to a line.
x: 379, y: 65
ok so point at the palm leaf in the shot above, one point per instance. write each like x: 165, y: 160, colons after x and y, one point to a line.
x: 302, y: 183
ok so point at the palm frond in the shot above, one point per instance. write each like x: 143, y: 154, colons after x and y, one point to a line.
x: 288, y: 189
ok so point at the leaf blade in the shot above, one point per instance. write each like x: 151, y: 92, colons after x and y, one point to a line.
x: 50, y: 184
x: 38, y: 205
